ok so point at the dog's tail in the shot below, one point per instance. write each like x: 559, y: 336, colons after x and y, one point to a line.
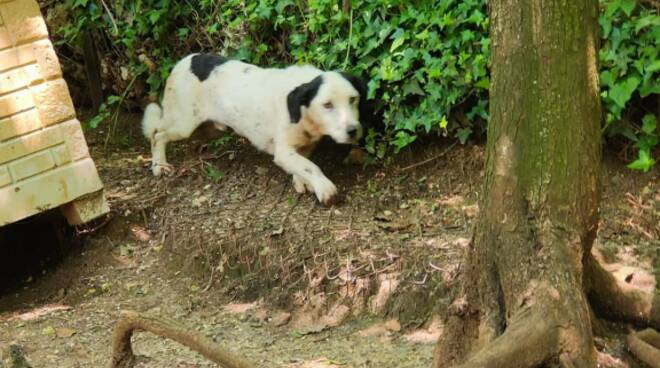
x: 151, y: 121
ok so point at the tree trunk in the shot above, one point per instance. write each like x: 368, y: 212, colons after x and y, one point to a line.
x: 523, y: 302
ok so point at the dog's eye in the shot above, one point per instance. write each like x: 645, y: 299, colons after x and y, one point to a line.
x: 352, y: 100
x: 328, y: 105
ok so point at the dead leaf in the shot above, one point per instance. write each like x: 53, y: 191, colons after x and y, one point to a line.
x: 39, y: 312
x: 281, y: 318
x: 376, y: 330
x: 399, y: 225
x: 357, y: 156
x: 64, y: 332
x: 239, y: 308
x: 453, y: 201
x: 318, y: 363
x: 388, y: 285
x: 336, y: 315
x: 140, y: 233
x: 393, y: 325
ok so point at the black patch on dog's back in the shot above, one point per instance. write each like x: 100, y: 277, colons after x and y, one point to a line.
x: 203, y: 64
x: 302, y: 96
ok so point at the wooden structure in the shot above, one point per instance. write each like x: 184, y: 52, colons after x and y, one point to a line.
x: 44, y: 160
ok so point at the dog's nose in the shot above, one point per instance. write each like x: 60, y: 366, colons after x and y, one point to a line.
x: 352, y: 131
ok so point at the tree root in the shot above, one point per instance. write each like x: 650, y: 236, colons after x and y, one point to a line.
x: 645, y: 345
x: 129, y: 322
x: 527, y: 342
x: 618, y: 301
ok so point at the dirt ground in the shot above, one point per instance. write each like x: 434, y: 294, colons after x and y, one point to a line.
x: 226, y: 247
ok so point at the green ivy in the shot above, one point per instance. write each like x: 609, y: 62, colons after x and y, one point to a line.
x: 426, y: 60
x: 630, y: 71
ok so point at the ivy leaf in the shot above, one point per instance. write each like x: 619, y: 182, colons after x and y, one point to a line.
x: 649, y: 20
x: 628, y: 6
x: 282, y: 4
x: 653, y: 67
x: 622, y: 92
x: 463, y: 134
x: 483, y: 83
x: 606, y: 78
x: 183, y: 32
x: 154, y: 15
x: 644, y: 161
x: 398, y: 41
x: 649, y: 124
x: 411, y: 87
x: 443, y: 122
x: 606, y: 25
x: 403, y: 139
x: 96, y: 120
x: 651, y: 86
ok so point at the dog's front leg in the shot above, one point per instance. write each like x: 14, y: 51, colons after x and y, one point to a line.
x: 297, y: 165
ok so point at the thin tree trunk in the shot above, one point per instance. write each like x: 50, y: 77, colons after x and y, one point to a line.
x: 523, y: 302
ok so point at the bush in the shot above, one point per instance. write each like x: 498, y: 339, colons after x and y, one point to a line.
x: 429, y: 62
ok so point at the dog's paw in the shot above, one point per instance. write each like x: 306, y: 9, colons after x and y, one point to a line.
x: 159, y: 169
x: 326, y: 192
x: 300, y: 185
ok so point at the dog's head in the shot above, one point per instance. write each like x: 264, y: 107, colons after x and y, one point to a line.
x: 331, y: 102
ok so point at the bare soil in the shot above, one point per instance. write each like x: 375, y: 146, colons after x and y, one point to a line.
x: 227, y: 247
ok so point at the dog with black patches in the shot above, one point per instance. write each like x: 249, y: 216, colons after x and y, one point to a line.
x: 283, y: 112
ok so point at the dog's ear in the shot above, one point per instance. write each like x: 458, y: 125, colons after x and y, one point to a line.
x: 302, y: 96
x: 366, y: 109
x: 357, y: 83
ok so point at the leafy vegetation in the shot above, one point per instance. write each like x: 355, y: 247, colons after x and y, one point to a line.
x: 427, y: 64
x: 630, y: 74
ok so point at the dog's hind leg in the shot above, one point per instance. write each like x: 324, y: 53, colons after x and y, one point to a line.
x: 172, y: 130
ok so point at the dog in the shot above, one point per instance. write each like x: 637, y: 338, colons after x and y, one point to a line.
x: 283, y: 112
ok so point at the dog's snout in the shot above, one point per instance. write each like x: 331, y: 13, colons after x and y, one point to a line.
x: 352, y: 131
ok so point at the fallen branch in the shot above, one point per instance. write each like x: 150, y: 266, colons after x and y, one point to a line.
x: 129, y: 322
x: 430, y: 159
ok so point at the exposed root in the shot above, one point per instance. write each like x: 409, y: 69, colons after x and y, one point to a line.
x: 129, y: 321
x: 619, y: 301
x: 645, y: 345
x: 529, y: 341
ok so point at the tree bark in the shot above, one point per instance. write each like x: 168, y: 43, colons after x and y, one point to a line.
x: 523, y: 303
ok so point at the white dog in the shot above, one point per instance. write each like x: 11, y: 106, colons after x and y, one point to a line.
x: 283, y: 112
